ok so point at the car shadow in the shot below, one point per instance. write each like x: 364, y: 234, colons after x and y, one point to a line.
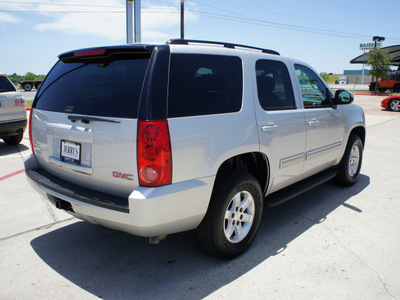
x: 111, y: 264
x: 6, y: 149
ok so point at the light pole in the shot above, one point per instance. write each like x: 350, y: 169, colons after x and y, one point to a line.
x: 378, y: 39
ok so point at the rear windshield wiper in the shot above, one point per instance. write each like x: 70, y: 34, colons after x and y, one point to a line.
x: 87, y: 119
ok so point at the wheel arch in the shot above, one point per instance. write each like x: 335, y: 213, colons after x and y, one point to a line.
x: 360, y: 131
x: 254, y: 163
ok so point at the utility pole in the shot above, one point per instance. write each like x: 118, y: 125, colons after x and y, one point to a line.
x: 182, y: 19
x: 129, y: 22
x: 138, y: 29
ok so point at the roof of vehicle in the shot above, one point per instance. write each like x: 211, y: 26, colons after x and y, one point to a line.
x: 149, y: 47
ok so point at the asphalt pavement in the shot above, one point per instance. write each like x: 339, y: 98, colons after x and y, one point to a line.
x: 330, y: 243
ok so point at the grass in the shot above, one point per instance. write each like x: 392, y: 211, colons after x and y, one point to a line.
x: 29, y: 103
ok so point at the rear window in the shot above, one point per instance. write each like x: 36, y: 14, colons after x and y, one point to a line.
x: 107, y: 88
x: 6, y: 85
x: 204, y: 85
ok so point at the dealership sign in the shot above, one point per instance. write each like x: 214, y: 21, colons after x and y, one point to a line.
x: 369, y: 46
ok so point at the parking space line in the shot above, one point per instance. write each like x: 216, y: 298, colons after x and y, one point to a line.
x: 12, y: 174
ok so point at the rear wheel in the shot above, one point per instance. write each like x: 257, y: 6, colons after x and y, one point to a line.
x: 382, y: 90
x: 233, y: 216
x: 396, y: 88
x: 13, y: 140
x: 394, y: 104
x: 350, y: 166
x: 27, y: 87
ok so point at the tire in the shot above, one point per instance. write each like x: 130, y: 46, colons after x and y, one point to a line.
x: 394, y: 105
x: 382, y: 90
x: 372, y: 87
x: 350, y: 165
x: 13, y: 140
x: 27, y: 87
x: 396, y: 88
x: 37, y: 85
x: 233, y: 217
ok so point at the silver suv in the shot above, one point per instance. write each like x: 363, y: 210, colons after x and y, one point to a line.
x: 158, y: 139
x: 12, y: 112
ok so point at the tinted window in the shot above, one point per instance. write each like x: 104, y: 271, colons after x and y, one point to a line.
x: 204, y: 85
x: 6, y: 85
x: 109, y: 89
x: 274, y: 86
x: 313, y: 91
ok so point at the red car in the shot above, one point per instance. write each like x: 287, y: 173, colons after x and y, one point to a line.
x: 391, y: 103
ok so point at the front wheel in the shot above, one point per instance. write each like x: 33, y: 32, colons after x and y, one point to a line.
x: 233, y: 216
x: 394, y: 105
x: 350, y: 165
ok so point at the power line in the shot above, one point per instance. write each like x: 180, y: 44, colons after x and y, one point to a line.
x: 60, y: 4
x: 238, y: 18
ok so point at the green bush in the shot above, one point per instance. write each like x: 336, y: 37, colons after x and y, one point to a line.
x: 15, y: 78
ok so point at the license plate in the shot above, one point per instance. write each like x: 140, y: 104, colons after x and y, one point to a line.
x: 70, y: 151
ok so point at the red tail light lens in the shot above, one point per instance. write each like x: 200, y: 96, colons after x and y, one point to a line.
x: 19, y: 100
x: 30, y: 131
x: 93, y: 52
x: 154, y: 153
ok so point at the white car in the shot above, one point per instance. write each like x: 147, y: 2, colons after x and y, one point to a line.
x: 158, y: 139
x: 12, y: 112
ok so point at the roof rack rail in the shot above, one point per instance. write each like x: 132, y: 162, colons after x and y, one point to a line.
x: 226, y: 45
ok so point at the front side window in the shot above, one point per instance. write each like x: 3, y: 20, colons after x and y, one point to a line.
x: 204, y: 85
x: 314, y: 92
x: 273, y: 85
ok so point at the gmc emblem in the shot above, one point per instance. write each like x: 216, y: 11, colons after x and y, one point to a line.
x: 122, y: 175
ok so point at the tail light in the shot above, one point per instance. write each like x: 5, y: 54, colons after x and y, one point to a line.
x: 154, y: 153
x: 30, y: 131
x: 19, y: 100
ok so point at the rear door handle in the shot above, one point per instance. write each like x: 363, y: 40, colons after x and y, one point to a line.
x: 269, y: 128
x: 313, y: 123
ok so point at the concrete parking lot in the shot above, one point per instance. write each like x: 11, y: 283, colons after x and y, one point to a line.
x: 330, y: 243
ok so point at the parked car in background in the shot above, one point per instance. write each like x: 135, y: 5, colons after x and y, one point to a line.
x: 391, y: 82
x: 391, y: 103
x: 12, y: 112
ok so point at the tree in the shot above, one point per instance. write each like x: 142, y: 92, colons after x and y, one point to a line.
x: 30, y: 76
x: 380, y: 62
x: 325, y: 76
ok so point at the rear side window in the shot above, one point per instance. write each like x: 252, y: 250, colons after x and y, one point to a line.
x: 6, y: 85
x: 274, y: 88
x: 108, y: 88
x: 204, y: 85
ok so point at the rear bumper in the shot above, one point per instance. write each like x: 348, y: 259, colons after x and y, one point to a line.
x: 146, y: 212
x: 13, y: 127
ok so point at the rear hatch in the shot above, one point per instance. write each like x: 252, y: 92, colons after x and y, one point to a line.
x: 84, y: 118
x: 12, y: 104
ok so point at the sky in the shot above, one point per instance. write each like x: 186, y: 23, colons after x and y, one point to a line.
x: 325, y: 34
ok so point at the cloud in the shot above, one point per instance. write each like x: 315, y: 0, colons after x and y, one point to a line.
x: 7, y: 18
x: 110, y: 21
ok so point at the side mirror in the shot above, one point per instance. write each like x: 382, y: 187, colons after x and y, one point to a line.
x: 343, y: 97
